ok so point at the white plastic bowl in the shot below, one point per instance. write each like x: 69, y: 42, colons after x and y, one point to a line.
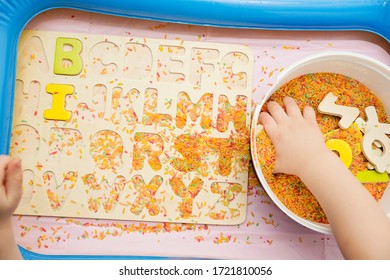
x: 370, y: 72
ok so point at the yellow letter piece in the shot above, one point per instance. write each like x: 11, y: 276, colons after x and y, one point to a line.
x: 342, y: 148
x: 371, y: 176
x: 57, y: 111
x: 68, y: 62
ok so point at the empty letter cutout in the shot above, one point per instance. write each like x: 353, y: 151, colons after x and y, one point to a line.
x: 26, y: 103
x: 203, y: 109
x: 234, y: 70
x: 145, y: 198
x: 64, y: 142
x: 122, y: 107
x: 137, y: 62
x: 150, y: 145
x: 227, y: 113
x: 32, y: 57
x: 58, y: 194
x: 106, y: 149
x: 150, y: 116
x: 228, y: 192
x: 203, y: 65
x: 170, y: 64
x: 103, y: 194
x: 97, y: 110
x: 101, y: 58
x: 187, y: 194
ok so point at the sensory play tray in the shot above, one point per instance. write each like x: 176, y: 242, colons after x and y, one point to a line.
x: 79, y: 134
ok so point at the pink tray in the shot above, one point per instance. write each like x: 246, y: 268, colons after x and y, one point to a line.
x: 267, y: 233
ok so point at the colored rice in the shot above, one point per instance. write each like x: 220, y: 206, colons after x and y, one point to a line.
x: 310, y: 90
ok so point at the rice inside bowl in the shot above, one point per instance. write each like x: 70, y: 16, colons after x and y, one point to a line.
x: 310, y: 89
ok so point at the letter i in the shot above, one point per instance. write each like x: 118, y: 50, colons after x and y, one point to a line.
x: 57, y: 111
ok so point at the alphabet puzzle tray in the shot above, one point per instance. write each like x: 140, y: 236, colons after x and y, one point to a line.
x: 132, y: 128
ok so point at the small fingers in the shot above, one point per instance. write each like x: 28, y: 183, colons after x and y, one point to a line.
x: 270, y: 126
x: 276, y: 111
x: 309, y: 114
x: 292, y: 108
x: 4, y: 160
x: 14, y: 178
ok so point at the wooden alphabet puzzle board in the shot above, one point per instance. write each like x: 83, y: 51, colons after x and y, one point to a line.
x: 132, y: 128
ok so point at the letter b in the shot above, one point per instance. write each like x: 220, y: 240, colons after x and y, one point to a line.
x: 67, y: 60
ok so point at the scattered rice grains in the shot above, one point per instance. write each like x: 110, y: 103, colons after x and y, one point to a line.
x: 310, y: 90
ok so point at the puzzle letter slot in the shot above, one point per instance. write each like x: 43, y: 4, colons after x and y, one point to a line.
x: 132, y: 128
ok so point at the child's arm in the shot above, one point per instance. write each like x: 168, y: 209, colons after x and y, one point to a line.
x: 10, y: 193
x: 359, y: 224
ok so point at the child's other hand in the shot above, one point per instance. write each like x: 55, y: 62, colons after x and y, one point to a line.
x: 296, y: 137
x: 10, y: 186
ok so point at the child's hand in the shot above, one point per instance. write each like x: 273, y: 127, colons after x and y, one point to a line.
x: 10, y: 186
x: 297, y: 138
